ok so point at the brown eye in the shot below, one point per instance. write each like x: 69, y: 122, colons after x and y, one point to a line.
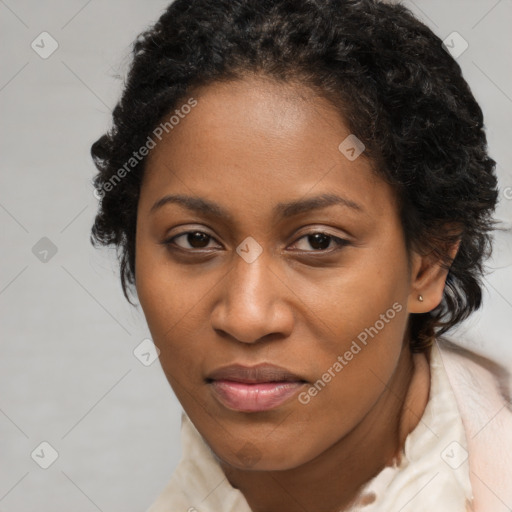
x: 320, y: 241
x: 194, y: 239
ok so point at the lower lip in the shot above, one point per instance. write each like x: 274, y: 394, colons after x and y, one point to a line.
x: 262, y: 396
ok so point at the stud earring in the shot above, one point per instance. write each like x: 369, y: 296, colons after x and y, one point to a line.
x: 420, y: 298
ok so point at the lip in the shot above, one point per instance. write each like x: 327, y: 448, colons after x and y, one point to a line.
x: 253, y: 388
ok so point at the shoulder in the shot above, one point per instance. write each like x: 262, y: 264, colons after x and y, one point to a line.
x: 481, y: 386
x: 482, y: 390
x: 459, y: 356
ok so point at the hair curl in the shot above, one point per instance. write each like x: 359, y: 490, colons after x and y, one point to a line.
x: 397, y: 88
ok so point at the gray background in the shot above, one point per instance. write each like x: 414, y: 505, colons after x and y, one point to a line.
x: 68, y: 375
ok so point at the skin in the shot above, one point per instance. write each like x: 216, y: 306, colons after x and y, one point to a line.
x: 248, y: 145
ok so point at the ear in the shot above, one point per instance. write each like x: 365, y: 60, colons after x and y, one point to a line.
x: 428, y: 279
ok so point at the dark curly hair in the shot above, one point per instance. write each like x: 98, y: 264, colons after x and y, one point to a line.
x: 389, y: 76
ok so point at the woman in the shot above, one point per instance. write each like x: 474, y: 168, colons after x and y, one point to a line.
x: 301, y: 197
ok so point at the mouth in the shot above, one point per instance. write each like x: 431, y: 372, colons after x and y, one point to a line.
x: 253, y: 388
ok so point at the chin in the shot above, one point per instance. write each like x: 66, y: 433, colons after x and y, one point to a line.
x: 252, y: 457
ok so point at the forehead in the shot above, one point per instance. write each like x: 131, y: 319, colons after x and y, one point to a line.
x: 256, y: 143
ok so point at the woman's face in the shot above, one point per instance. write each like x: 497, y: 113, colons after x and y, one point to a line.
x: 298, y: 261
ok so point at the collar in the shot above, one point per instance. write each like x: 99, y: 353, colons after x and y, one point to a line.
x: 433, y: 473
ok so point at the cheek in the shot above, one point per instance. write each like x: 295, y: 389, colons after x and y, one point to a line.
x: 359, y: 361
x: 355, y: 359
x: 163, y: 287
x: 356, y: 356
x: 158, y: 291
x: 352, y: 372
x: 372, y: 283
x: 170, y: 317
x: 173, y: 298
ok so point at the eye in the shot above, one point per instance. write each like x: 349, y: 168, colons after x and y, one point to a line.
x: 321, y: 241
x: 195, y: 240
x: 318, y: 240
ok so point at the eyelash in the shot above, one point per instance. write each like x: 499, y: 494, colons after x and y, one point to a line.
x: 340, y: 242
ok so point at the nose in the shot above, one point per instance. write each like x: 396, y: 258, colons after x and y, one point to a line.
x: 255, y: 303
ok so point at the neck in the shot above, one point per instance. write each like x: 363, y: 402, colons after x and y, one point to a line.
x: 376, y: 442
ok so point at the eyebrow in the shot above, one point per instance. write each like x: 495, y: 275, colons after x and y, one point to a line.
x: 280, y: 210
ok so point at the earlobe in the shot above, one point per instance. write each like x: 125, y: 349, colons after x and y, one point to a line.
x: 428, y: 278
x: 427, y: 288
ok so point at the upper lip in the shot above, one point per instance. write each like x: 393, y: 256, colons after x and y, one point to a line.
x: 263, y: 372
